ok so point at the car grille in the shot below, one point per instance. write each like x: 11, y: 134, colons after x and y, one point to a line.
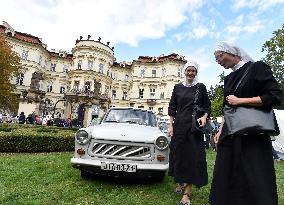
x: 121, y: 150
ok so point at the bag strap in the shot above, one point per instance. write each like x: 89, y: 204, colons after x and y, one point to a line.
x: 196, y: 96
x: 244, y: 75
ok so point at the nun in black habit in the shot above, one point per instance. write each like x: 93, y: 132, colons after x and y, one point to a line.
x: 244, y: 170
x: 187, y: 154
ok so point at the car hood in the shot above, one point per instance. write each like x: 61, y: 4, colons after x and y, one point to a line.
x: 125, y: 132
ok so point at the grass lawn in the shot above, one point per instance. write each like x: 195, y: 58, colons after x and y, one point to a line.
x: 49, y: 179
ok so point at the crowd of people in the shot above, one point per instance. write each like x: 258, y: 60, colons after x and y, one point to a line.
x: 33, y: 119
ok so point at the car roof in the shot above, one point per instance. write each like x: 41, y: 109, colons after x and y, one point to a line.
x: 133, y: 108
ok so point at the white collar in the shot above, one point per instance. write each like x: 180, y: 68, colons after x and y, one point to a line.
x: 189, y: 85
x: 238, y: 65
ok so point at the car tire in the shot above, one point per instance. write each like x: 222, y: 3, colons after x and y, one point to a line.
x: 86, y: 175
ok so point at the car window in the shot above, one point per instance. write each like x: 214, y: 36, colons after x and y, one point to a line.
x: 152, y: 119
x: 135, y: 116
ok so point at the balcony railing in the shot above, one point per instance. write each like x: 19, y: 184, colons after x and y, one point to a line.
x: 75, y: 93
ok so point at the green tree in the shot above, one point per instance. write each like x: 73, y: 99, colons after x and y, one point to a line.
x: 216, y: 96
x: 9, y: 67
x: 275, y: 56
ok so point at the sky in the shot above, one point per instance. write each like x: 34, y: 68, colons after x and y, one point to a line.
x: 151, y: 27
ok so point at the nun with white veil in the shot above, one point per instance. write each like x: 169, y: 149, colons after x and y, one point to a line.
x: 244, y: 170
x: 187, y: 154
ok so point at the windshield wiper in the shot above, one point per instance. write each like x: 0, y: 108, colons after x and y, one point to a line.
x: 111, y: 121
x: 131, y: 121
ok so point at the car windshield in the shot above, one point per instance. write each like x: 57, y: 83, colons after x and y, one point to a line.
x: 134, y: 116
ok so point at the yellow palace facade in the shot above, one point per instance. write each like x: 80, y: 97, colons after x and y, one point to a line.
x: 86, y: 82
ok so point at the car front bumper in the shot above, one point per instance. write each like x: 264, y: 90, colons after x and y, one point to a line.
x: 81, y: 163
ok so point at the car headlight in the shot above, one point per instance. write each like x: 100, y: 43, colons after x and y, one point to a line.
x: 82, y: 137
x: 162, y: 143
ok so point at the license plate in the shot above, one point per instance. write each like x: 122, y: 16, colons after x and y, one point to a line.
x: 118, y: 167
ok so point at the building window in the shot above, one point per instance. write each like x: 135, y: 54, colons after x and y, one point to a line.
x: 40, y: 60
x: 132, y: 104
x: 106, y: 90
x: 65, y: 69
x: 76, y: 85
x: 62, y: 89
x: 114, y: 76
x: 151, y: 108
x: 124, y: 95
x: 152, y: 93
x: 141, y: 93
x: 20, y: 79
x: 160, y: 109
x: 49, y: 88
x: 25, y: 54
x: 87, y: 86
x: 45, y: 64
x: 141, y: 106
x: 142, y: 73
x: 163, y: 72
x: 52, y: 67
x: 101, y: 68
x: 154, y: 74
x: 126, y: 77
x: 79, y: 65
x: 179, y: 72
x: 90, y: 64
x: 162, y: 95
x: 113, y: 94
x: 41, y: 86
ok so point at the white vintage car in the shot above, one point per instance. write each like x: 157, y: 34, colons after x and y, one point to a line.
x: 126, y: 143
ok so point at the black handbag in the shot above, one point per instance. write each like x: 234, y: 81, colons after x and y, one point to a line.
x: 197, y: 113
x: 246, y: 120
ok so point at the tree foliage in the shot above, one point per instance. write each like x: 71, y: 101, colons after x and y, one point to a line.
x: 275, y: 56
x: 9, y: 67
x: 216, y: 96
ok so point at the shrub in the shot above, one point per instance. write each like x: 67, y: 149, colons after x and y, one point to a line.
x: 32, y: 141
x: 5, y: 129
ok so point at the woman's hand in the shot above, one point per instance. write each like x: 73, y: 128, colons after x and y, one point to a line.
x: 170, y: 130
x: 202, y: 121
x: 233, y: 100
x: 254, y: 101
x: 216, y: 137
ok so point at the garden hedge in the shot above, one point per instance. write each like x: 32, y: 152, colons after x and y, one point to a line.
x: 36, y: 139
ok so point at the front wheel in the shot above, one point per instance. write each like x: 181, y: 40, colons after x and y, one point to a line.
x: 159, y: 176
x: 86, y: 175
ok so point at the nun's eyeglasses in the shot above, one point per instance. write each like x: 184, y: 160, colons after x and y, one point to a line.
x: 218, y: 57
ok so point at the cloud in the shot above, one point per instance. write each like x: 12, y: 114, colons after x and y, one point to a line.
x: 255, y: 4
x: 60, y: 22
x: 200, y: 32
x: 242, y: 25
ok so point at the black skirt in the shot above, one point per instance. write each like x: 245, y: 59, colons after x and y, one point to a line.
x: 188, y: 159
x: 244, y: 172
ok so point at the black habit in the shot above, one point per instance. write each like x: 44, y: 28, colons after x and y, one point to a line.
x: 187, y: 150
x: 244, y: 169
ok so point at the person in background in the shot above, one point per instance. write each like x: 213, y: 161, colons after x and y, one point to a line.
x: 187, y: 151
x: 244, y: 171
x: 216, y: 126
x: 207, y: 137
x: 275, y: 155
x: 22, y: 118
x: 38, y: 120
